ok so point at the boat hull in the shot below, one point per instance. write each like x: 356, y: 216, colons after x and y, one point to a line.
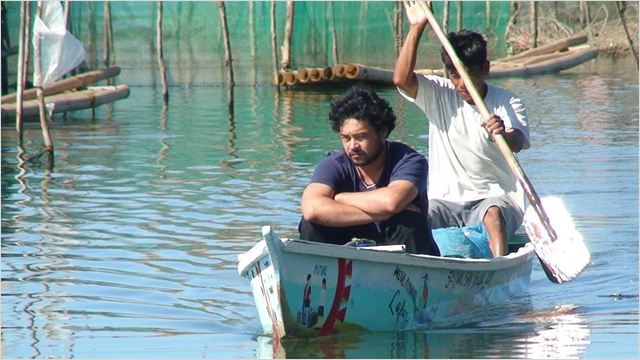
x: 309, y: 289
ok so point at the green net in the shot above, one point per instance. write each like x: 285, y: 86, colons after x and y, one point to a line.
x: 194, y: 48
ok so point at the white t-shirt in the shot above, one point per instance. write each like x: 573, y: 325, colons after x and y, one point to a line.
x: 464, y: 164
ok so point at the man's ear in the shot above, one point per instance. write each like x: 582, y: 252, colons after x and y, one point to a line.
x: 486, y: 67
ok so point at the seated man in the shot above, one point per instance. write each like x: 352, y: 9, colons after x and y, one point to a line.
x: 373, y: 188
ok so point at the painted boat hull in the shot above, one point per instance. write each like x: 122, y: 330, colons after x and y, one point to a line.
x: 374, y: 289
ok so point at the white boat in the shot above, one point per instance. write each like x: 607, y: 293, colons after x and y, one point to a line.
x: 305, y: 288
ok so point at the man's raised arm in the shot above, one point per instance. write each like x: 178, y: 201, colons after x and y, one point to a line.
x: 403, y: 76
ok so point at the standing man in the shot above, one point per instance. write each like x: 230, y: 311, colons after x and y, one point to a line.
x: 371, y: 188
x: 470, y: 180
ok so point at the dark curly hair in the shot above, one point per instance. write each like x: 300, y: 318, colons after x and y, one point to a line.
x: 470, y: 47
x: 362, y: 104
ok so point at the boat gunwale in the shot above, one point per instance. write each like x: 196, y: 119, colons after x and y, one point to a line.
x: 375, y: 255
x: 260, y: 249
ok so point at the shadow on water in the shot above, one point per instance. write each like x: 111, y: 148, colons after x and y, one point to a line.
x: 561, y: 332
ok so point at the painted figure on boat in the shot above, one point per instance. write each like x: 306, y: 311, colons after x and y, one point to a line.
x: 372, y: 188
x: 470, y: 181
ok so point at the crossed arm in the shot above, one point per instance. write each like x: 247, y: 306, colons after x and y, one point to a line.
x: 321, y: 205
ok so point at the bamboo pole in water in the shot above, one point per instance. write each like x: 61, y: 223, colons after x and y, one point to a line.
x: 459, y: 19
x: 445, y: 16
x: 159, y: 51
x: 67, y: 13
x: 106, y: 29
x: 534, y: 24
x: 397, y: 27
x: 227, y: 53
x: 48, y: 143
x: 288, y: 30
x: 445, y: 25
x: 252, y: 39
x: 274, y: 46
x: 487, y: 5
x: 22, y: 44
x: 626, y: 30
x: 334, y: 41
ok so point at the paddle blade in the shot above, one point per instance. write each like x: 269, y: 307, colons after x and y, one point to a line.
x: 565, y: 258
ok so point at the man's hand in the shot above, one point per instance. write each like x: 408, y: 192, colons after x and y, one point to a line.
x: 495, y: 125
x: 416, y: 12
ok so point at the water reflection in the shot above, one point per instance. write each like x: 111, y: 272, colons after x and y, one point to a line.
x: 561, y: 332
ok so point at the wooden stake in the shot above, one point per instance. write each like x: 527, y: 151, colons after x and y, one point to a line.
x: 534, y: 24
x: 487, y: 5
x: 48, y: 143
x: 445, y: 17
x: 159, y: 50
x: 67, y: 13
x: 107, y: 31
x: 626, y: 31
x: 334, y: 46
x: 23, y: 43
x: 227, y: 53
x: 397, y: 27
x: 274, y: 44
x: 288, y: 30
x: 459, y: 20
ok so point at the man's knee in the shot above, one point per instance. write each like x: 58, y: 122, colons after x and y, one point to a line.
x: 411, y: 229
x: 494, y: 216
x: 441, y: 215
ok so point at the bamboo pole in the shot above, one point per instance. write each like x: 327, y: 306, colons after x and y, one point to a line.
x: 445, y: 16
x: 107, y: 28
x: 90, y: 98
x: 549, y: 48
x: 159, y: 51
x: 73, y: 82
x: 626, y: 31
x: 67, y: 13
x: 445, y: 25
x: 397, y: 27
x: 22, y: 44
x: 459, y: 19
x: 487, y: 5
x: 48, y: 143
x: 334, y: 40
x: 288, y: 30
x: 274, y: 45
x: 534, y: 24
x: 227, y: 54
x: 252, y: 39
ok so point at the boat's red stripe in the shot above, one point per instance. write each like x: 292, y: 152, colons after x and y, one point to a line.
x: 329, y: 323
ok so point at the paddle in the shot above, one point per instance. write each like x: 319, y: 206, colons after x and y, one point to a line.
x: 562, y: 254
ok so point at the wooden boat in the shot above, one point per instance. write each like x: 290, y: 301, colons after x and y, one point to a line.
x: 304, y: 288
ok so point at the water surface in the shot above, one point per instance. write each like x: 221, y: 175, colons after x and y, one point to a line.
x: 128, y: 248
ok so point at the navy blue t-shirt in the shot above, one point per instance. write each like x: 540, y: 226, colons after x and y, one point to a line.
x: 402, y: 163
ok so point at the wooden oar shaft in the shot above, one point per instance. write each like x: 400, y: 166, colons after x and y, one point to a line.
x: 499, y: 138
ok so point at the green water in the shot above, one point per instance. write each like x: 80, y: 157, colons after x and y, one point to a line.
x: 128, y: 248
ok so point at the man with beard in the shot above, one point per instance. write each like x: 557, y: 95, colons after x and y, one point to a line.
x: 371, y: 189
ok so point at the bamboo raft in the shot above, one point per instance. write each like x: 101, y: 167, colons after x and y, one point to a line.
x: 68, y: 94
x: 554, y: 57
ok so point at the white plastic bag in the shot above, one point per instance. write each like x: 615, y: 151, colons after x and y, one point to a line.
x: 60, y: 52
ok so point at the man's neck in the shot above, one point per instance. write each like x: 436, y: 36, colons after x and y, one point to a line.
x: 371, y: 173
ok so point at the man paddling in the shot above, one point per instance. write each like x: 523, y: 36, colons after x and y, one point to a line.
x: 372, y: 188
x: 470, y: 180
